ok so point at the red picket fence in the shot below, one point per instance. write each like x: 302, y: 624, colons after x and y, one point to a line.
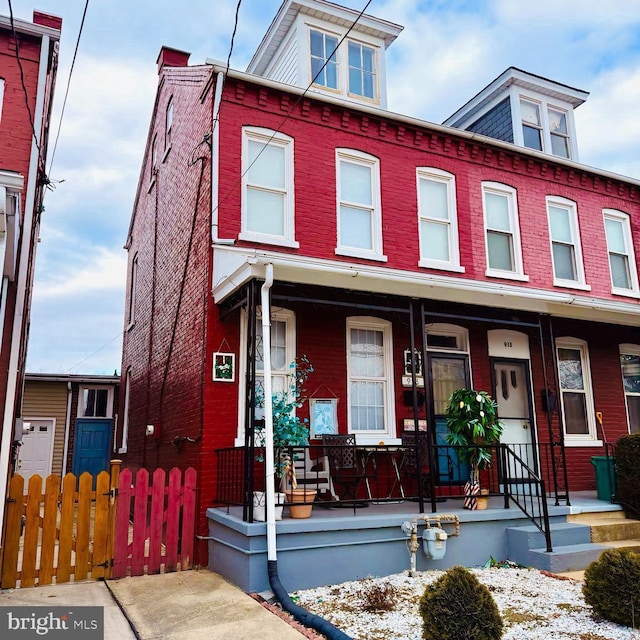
x: 155, y: 524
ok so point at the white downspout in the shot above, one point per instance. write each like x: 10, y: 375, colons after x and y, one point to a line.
x: 67, y: 427
x: 215, y: 163
x: 18, y: 318
x: 268, y: 415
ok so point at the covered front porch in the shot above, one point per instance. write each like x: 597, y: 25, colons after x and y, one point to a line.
x: 336, y: 545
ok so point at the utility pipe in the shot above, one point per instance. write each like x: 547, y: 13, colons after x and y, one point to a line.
x: 67, y: 427
x: 215, y: 163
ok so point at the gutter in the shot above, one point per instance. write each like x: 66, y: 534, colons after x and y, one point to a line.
x: 26, y: 252
x: 215, y: 163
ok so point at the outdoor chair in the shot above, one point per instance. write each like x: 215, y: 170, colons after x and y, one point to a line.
x: 410, y: 461
x: 313, y: 474
x: 346, y: 467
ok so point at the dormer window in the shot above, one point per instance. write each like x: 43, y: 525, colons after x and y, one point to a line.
x: 558, y: 132
x: 534, y: 133
x: 324, y: 59
x: 362, y: 70
x: 531, y: 126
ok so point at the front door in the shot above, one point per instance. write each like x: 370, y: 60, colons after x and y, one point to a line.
x: 36, y: 450
x: 92, y: 445
x: 512, y: 393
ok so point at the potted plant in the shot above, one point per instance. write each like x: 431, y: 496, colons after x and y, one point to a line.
x: 473, y: 426
x: 289, y: 430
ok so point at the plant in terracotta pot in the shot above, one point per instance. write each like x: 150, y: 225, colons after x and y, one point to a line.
x: 289, y: 430
x: 473, y: 426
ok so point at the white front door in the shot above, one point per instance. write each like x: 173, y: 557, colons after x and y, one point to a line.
x: 512, y: 395
x: 36, y: 451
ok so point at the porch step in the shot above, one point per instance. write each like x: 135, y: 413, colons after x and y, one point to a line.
x: 521, y: 541
x: 574, y: 557
x: 631, y: 545
x: 615, y: 529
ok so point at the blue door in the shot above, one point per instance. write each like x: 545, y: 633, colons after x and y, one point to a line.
x: 92, y: 445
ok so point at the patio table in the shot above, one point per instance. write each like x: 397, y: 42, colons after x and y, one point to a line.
x: 369, y: 457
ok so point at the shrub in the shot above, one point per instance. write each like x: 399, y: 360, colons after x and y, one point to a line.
x: 612, y: 586
x: 457, y: 605
x: 380, y: 596
x: 628, y: 471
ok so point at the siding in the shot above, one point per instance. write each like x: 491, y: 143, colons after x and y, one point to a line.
x: 48, y: 400
x: 286, y: 65
x: 496, y: 123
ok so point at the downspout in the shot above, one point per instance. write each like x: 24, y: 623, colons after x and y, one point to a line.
x: 215, y: 163
x: 25, y: 254
x: 67, y: 427
x: 299, y: 613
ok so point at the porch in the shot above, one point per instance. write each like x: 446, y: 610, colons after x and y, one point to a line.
x: 336, y: 545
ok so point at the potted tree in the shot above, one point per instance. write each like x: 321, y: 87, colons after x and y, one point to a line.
x: 473, y: 426
x: 289, y: 430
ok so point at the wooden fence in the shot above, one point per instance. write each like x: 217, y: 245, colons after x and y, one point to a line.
x: 75, y: 531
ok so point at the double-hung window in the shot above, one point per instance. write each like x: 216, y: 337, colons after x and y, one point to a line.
x: 502, y: 232
x: 622, y: 263
x: 267, y: 187
x: 566, y: 252
x: 362, y: 70
x: 324, y: 59
x: 370, y: 376
x: 545, y: 128
x: 133, y: 285
x: 168, y: 124
x: 531, y: 124
x: 575, y: 390
x: 558, y: 130
x: 630, y: 364
x: 438, y: 219
x: 359, y: 210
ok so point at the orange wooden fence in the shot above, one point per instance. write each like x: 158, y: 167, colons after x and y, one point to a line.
x: 71, y: 530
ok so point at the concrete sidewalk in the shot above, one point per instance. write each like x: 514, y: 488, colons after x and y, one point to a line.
x: 191, y: 605
x: 187, y: 605
x: 74, y: 594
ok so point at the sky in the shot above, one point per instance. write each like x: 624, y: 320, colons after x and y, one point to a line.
x: 449, y: 50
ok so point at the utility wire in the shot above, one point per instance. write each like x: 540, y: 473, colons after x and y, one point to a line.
x: 233, y: 35
x: 24, y: 86
x: 295, y: 104
x: 66, y: 94
x: 106, y: 344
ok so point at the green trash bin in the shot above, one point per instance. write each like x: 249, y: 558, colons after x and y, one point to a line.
x: 605, y: 477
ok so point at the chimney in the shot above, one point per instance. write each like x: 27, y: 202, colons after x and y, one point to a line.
x: 169, y: 57
x: 47, y: 20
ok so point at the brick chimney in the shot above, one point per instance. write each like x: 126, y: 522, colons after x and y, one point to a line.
x: 169, y: 57
x: 47, y: 20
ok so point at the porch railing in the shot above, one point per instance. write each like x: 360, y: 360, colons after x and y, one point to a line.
x: 385, y: 474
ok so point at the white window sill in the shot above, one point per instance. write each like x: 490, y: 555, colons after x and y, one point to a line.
x: 582, y: 443
x: 378, y: 439
x: 360, y: 253
x: 151, y: 184
x: 507, y: 275
x: 264, y: 239
x: 441, y: 266
x: 166, y: 153
x: 122, y: 449
x: 627, y: 293
x: 130, y: 326
x: 568, y: 284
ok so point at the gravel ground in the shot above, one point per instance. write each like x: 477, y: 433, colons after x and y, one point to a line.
x: 534, y: 606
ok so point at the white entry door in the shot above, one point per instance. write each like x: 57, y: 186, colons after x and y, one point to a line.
x: 512, y: 396
x: 36, y: 451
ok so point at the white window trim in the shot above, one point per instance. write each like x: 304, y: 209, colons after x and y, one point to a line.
x: 388, y: 435
x: 570, y: 205
x: 340, y: 65
x: 448, y: 179
x: 620, y: 216
x: 545, y: 105
x: 1, y: 96
x: 125, y: 412
x: 505, y: 190
x: 632, y: 350
x: 95, y: 387
x: 282, y: 315
x: 168, y: 122
x: 444, y: 329
x: 270, y: 137
x: 588, y: 439
x: 364, y: 159
x: 376, y: 89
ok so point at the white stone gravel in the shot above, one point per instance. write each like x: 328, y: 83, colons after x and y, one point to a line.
x: 534, y: 606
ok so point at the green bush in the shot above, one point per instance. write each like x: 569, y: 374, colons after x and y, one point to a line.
x: 628, y: 472
x: 612, y: 586
x: 458, y: 606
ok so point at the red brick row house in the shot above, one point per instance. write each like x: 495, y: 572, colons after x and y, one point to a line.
x: 28, y: 67
x: 482, y: 244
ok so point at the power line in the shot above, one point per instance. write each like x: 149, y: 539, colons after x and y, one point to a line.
x: 233, y: 35
x: 96, y: 351
x: 24, y: 86
x: 295, y: 104
x: 64, y: 103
